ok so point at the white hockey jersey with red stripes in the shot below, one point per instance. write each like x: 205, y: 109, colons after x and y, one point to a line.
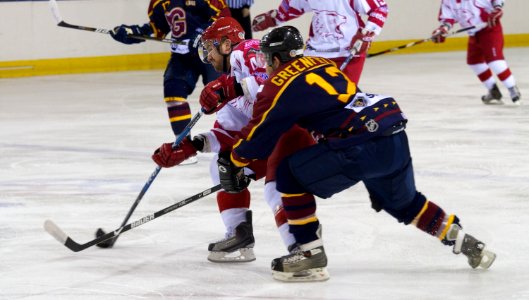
x: 334, y: 23
x: 467, y: 12
x: 237, y: 112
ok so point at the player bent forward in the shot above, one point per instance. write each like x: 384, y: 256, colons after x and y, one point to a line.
x: 364, y: 140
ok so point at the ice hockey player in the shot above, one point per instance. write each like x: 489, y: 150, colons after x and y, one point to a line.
x: 363, y: 139
x: 485, y: 43
x: 184, y: 21
x: 225, y: 48
x: 336, y: 28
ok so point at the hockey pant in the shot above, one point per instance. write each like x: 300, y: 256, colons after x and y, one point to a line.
x: 384, y: 166
x: 485, y: 57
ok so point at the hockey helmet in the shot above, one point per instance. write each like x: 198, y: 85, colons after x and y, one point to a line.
x: 285, y: 42
x: 225, y: 28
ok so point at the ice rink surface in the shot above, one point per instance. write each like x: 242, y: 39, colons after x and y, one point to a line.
x: 76, y: 149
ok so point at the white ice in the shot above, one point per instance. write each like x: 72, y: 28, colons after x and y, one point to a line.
x: 76, y: 149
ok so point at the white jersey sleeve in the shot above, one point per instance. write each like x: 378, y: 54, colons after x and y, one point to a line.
x: 248, y: 73
x: 231, y: 118
x: 466, y: 12
x: 334, y: 23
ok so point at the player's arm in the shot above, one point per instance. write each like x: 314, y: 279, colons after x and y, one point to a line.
x: 287, y: 10
x: 377, y: 13
x: 157, y: 25
x: 157, y: 19
x: 273, y: 115
x: 447, y: 20
x: 218, y: 8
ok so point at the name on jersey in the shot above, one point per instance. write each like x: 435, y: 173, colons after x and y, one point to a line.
x: 298, y: 66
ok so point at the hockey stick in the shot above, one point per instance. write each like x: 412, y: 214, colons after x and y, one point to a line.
x: 60, y: 236
x: 416, y: 43
x: 183, y: 134
x: 348, y: 59
x: 60, y: 22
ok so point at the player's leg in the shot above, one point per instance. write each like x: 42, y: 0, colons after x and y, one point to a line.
x: 238, y: 242
x: 291, y: 141
x: 353, y: 69
x: 491, y: 43
x: 179, y: 82
x: 476, y: 62
x: 397, y: 195
x: 314, y: 169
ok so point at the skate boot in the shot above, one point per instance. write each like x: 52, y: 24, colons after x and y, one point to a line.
x: 301, y: 265
x: 473, y: 249
x: 237, y: 248
x: 515, y: 94
x: 493, y: 97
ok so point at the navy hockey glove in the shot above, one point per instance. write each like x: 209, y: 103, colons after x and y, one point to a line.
x: 232, y: 178
x: 122, y: 33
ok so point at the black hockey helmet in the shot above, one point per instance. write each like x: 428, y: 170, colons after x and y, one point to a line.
x: 285, y: 42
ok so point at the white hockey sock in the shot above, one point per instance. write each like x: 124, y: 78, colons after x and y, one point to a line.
x: 273, y: 198
x: 484, y: 74
x: 499, y: 67
x: 232, y: 218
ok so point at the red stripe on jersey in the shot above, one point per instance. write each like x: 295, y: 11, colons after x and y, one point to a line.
x: 378, y: 16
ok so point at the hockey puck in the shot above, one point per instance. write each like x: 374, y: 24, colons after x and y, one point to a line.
x: 104, y: 244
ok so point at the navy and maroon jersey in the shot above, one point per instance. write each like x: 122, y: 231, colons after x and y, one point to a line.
x: 182, y: 18
x: 314, y: 94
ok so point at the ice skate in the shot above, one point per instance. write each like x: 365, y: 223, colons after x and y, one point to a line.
x: 301, y: 265
x: 237, y: 248
x: 190, y: 161
x: 473, y: 249
x: 515, y: 94
x: 493, y: 97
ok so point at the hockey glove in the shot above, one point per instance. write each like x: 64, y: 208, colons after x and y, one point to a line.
x: 218, y: 92
x: 122, y: 33
x: 194, y: 42
x: 495, y: 16
x: 264, y: 21
x: 361, y: 40
x: 166, y: 156
x: 439, y: 35
x: 232, y: 178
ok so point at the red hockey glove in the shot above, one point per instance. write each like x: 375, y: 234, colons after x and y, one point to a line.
x: 495, y: 16
x: 361, y: 40
x: 216, y: 93
x: 167, y: 157
x: 265, y: 21
x: 439, y: 35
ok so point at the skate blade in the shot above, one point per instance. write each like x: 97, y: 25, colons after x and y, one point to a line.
x: 241, y: 255
x: 487, y: 258
x: 190, y: 161
x: 316, y: 274
x: 492, y: 102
